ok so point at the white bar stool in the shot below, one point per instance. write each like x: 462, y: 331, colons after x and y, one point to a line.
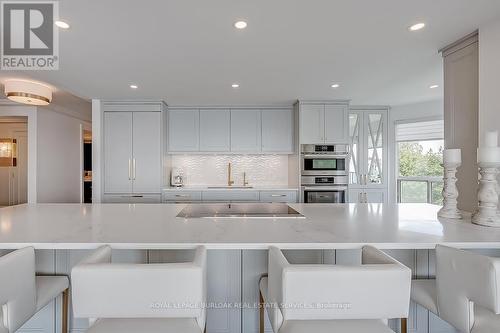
x: 23, y: 294
x: 148, y: 298
x: 466, y: 291
x: 335, y: 298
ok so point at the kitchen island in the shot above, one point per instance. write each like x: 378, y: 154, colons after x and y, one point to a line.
x: 153, y: 226
x: 151, y: 233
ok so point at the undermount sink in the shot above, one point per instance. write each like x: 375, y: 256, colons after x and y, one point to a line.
x: 230, y: 187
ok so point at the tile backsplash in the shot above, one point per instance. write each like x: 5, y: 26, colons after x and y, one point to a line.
x: 261, y: 170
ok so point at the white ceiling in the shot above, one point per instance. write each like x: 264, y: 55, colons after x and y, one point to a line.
x: 188, y: 52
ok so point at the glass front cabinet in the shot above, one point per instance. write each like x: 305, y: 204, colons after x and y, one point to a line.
x: 368, y: 161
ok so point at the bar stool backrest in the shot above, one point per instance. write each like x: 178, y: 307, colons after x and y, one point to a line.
x: 173, y: 290
x: 17, y: 288
x: 377, y: 289
x: 462, y: 279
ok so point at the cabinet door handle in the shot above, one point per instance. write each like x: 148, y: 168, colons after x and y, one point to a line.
x: 133, y: 167
x: 129, y: 169
x: 366, y: 197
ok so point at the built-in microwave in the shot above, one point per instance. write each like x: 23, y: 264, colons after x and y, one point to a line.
x: 324, y: 160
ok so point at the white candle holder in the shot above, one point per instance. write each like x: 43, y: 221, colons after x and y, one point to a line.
x: 487, y: 213
x: 450, y: 193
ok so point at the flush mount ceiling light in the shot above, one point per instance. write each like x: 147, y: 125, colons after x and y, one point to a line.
x: 134, y: 86
x: 235, y: 85
x: 62, y: 24
x: 335, y: 85
x: 240, y: 25
x: 434, y: 86
x: 417, y: 26
x: 28, y: 92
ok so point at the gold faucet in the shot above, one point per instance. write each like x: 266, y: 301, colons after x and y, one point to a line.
x: 229, y: 181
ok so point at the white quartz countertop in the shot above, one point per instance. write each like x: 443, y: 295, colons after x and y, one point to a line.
x: 155, y: 226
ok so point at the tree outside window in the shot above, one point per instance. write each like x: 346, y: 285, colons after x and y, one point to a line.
x: 420, y: 177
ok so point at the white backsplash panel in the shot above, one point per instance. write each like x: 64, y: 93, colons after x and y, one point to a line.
x: 261, y: 170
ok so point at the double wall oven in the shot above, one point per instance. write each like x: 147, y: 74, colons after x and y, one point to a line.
x: 324, y: 173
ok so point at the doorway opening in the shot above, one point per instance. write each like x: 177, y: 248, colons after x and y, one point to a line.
x: 13, y: 161
x: 87, y: 166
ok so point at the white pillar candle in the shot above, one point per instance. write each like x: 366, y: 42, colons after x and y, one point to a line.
x: 452, y: 156
x: 488, y: 155
x: 491, y: 139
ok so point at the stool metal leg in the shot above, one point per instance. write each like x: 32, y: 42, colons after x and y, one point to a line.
x: 261, y: 313
x: 404, y: 325
x: 65, y: 304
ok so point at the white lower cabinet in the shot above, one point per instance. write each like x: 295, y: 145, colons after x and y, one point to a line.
x: 230, y: 196
x: 181, y: 196
x: 224, y: 291
x: 367, y: 196
x: 213, y: 196
x: 278, y: 196
x: 131, y: 198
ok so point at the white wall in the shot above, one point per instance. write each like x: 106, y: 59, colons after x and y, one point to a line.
x: 489, y: 78
x: 59, y: 156
x: 404, y: 113
x: 54, y: 147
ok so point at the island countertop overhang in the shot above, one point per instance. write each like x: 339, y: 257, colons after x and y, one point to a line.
x: 155, y: 226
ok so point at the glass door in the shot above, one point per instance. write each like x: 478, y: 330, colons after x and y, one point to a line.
x: 355, y: 141
x: 375, y: 139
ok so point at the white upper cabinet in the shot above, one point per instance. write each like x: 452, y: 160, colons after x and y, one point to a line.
x: 266, y: 131
x: 324, y: 123
x: 118, y: 152
x: 215, y: 130
x: 336, y: 124
x: 146, y: 161
x: 277, y: 131
x: 312, y: 123
x: 183, y: 130
x: 246, y: 131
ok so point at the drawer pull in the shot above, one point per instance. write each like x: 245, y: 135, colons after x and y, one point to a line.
x: 278, y: 195
x: 182, y: 196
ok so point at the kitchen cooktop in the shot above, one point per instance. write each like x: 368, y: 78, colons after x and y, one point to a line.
x: 239, y: 210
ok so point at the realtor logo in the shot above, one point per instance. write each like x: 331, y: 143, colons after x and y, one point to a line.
x: 29, y: 40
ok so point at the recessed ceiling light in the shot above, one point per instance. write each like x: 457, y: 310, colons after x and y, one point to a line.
x: 240, y: 25
x: 235, y: 85
x: 134, y: 86
x: 335, y: 85
x: 62, y: 24
x: 434, y: 86
x: 417, y: 26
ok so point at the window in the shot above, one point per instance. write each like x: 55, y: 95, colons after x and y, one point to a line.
x: 420, y: 156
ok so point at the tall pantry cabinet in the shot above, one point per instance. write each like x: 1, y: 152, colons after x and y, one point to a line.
x: 132, y: 151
